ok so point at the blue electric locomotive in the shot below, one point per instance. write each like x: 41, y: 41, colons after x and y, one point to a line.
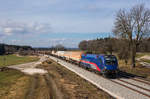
x: 106, y: 64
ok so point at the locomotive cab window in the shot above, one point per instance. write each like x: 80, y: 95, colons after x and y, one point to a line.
x: 110, y: 60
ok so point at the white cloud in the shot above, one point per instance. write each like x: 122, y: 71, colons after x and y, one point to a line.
x: 10, y: 27
x: 8, y: 31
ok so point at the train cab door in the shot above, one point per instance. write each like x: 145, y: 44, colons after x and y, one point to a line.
x: 100, y: 63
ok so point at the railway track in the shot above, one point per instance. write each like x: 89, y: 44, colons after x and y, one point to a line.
x: 133, y: 86
x: 130, y: 82
x: 133, y: 83
x: 133, y: 89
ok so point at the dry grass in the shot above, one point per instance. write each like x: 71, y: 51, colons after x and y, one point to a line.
x: 145, y: 60
x: 13, y: 84
x: 138, y: 55
x: 138, y: 70
x: 38, y: 88
x: 71, y: 85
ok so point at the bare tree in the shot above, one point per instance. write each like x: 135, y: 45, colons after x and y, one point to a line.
x: 123, y: 52
x: 133, y: 25
x: 83, y: 45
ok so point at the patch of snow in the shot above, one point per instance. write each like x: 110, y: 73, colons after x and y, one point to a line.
x: 32, y: 71
x: 30, y: 68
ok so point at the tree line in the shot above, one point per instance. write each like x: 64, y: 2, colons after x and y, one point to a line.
x: 27, y: 50
x: 112, y: 45
x: 10, y: 49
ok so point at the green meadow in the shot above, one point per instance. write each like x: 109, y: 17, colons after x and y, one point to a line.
x: 7, y: 60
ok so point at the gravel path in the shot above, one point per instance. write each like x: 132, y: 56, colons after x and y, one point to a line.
x: 144, y: 63
x: 109, y: 86
x: 30, y: 68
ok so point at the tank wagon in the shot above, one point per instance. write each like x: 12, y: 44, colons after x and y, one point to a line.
x: 104, y: 64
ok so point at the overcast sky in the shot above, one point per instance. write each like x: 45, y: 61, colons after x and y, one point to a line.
x: 44, y: 23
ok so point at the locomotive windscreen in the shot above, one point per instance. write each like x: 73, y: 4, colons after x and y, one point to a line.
x: 110, y: 60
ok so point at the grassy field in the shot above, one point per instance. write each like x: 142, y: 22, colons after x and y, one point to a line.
x: 58, y: 83
x: 7, y: 60
x: 13, y: 84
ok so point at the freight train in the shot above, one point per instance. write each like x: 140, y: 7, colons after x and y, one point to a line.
x: 107, y: 65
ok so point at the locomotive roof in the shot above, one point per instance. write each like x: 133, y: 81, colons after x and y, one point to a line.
x: 96, y: 55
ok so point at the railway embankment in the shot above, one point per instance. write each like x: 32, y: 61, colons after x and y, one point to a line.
x: 122, y: 87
